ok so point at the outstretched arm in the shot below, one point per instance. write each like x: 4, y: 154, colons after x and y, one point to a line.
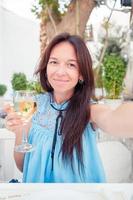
x: 117, y: 122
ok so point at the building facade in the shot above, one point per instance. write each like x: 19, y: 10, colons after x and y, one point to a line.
x: 19, y: 46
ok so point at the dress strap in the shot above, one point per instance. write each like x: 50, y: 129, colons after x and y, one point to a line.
x: 60, y: 116
x: 60, y: 109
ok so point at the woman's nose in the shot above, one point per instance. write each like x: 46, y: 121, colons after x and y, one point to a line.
x: 61, y: 69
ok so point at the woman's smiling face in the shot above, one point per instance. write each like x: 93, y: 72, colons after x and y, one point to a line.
x: 62, y: 69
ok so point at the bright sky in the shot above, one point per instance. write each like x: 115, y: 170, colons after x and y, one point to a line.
x: 20, y: 7
x: 23, y: 8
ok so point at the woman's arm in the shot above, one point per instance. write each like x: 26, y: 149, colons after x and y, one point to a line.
x: 14, y: 124
x: 19, y: 157
x: 118, y: 122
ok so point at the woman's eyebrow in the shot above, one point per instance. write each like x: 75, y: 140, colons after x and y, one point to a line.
x: 73, y: 60
x: 69, y: 60
x: 53, y: 58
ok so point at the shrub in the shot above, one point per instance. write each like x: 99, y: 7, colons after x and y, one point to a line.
x: 36, y: 86
x: 3, y: 89
x: 114, y: 68
x: 19, y: 81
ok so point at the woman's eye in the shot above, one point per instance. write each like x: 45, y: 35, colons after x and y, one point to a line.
x: 52, y: 62
x: 72, y: 65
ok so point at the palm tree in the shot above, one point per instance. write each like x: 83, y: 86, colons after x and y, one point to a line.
x: 52, y: 21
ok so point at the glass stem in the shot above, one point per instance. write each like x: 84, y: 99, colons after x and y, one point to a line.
x: 24, y: 136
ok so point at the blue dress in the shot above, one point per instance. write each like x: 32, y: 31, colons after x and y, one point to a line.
x: 37, y: 166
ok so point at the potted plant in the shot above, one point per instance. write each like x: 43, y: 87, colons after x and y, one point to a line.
x: 114, y: 68
x: 36, y: 86
x: 19, y: 81
x: 3, y: 90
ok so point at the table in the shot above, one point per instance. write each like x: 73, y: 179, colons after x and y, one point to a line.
x: 8, y: 169
x: 19, y: 191
x: 6, y: 134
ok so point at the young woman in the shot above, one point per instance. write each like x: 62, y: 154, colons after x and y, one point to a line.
x: 62, y: 129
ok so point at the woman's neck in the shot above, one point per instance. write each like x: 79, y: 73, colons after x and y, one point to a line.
x: 60, y: 97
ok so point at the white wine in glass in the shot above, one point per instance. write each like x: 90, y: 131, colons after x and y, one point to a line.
x: 25, y: 106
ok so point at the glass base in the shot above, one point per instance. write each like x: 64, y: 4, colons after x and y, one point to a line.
x: 24, y: 148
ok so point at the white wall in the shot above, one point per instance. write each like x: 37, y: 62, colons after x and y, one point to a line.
x: 19, y: 46
x: 0, y: 41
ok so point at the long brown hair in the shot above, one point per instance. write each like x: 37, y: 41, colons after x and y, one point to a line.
x: 78, y: 110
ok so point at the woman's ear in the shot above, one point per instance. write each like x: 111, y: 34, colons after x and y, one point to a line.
x: 81, y: 81
x: 81, y: 78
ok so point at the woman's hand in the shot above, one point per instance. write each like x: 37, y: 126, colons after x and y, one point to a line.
x: 13, y: 122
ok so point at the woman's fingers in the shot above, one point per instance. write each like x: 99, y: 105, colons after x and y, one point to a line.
x: 13, y: 121
x: 14, y: 128
x: 8, y: 108
x: 13, y: 117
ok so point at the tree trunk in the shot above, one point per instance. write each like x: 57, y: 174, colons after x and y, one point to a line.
x: 69, y: 21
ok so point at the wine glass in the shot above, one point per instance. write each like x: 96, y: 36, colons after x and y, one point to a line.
x: 25, y: 106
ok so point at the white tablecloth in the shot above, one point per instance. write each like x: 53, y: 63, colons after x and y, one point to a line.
x: 6, y: 134
x: 66, y: 191
x: 8, y: 169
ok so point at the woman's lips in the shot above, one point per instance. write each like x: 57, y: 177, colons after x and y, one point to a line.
x: 62, y: 81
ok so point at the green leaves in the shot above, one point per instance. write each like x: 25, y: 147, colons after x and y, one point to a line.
x: 36, y: 86
x: 19, y: 81
x: 57, y: 7
x: 40, y: 8
x: 114, y: 68
x: 3, y: 89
